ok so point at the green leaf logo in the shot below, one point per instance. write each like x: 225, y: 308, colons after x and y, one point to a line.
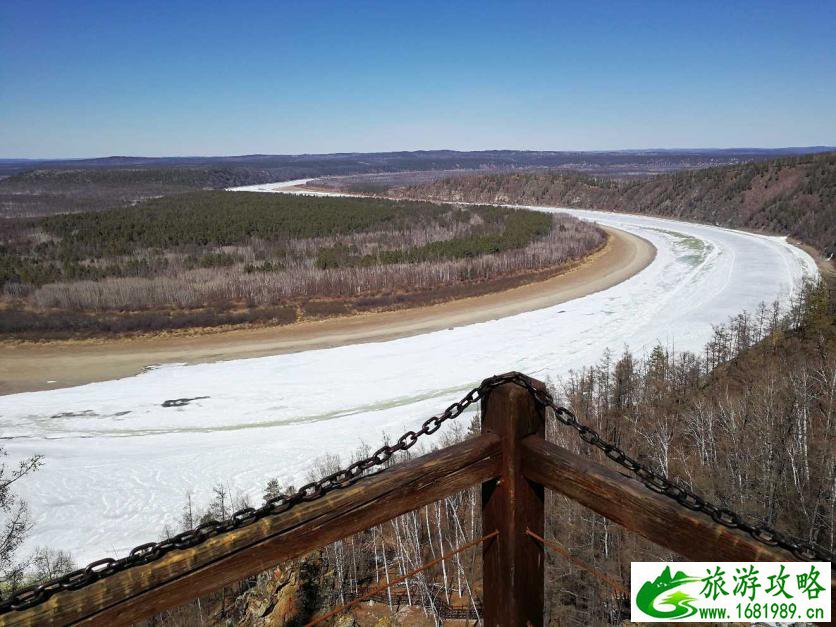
x: 679, y: 601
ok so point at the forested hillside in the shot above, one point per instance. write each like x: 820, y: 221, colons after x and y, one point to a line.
x: 790, y: 196
x: 213, y: 257
x: 42, y: 187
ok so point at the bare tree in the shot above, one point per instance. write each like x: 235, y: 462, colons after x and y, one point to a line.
x: 14, y: 518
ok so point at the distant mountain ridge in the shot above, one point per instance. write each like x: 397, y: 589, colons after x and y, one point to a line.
x: 616, y: 180
x: 793, y: 196
x: 356, y: 162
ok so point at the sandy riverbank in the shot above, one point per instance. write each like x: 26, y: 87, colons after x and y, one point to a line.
x: 41, y: 366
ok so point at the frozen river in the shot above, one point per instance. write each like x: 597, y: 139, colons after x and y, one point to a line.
x: 118, y: 464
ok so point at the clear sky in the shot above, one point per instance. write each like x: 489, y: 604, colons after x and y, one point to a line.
x: 93, y: 78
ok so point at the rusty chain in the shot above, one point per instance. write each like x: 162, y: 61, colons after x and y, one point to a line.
x: 145, y: 553
x: 151, y: 551
x: 659, y: 483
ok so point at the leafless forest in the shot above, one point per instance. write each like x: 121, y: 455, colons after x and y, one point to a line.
x: 748, y: 424
x: 177, y: 262
x: 294, y: 273
x: 789, y: 196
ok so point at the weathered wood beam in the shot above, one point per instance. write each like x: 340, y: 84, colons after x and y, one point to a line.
x: 629, y: 503
x: 512, y: 564
x: 183, y: 575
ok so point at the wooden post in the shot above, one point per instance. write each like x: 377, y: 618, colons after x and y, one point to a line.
x: 513, y: 561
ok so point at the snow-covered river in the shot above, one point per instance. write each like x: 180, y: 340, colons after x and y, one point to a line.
x: 118, y: 464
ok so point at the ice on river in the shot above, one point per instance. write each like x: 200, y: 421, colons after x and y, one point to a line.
x: 118, y: 464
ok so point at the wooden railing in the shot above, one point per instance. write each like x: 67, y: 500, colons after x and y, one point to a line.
x: 514, y: 464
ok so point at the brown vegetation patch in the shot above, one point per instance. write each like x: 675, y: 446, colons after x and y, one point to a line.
x: 325, y: 308
x: 214, y: 259
x: 28, y: 324
x: 24, y: 324
x: 788, y: 196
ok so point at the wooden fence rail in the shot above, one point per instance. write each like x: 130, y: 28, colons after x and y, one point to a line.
x: 514, y: 464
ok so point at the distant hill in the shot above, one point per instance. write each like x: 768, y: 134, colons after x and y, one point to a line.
x: 47, y: 180
x: 793, y: 196
x: 42, y: 187
x: 308, y: 165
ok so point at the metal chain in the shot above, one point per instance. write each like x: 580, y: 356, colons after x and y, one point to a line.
x: 662, y: 485
x: 151, y: 551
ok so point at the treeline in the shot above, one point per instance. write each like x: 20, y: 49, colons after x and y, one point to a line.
x: 56, y: 247
x: 227, y: 258
x: 520, y: 228
x: 292, y: 279
x: 224, y: 218
x: 789, y: 196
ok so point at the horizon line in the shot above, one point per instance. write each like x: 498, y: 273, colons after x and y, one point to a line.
x: 814, y: 147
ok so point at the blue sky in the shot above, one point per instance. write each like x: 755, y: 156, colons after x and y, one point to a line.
x: 88, y: 78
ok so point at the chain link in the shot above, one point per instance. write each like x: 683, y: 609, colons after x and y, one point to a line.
x: 662, y: 485
x: 151, y: 551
